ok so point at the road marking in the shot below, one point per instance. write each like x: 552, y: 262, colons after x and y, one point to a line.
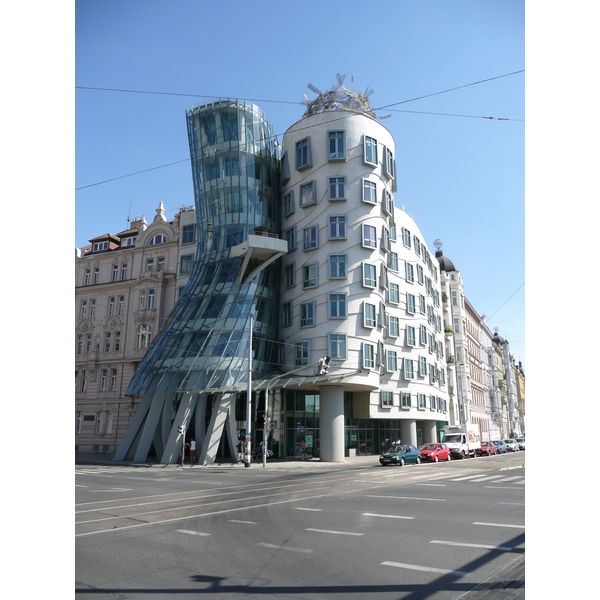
x: 77, y: 485
x: 512, y: 478
x: 313, y: 509
x: 432, y: 484
x: 501, y: 525
x: 420, y: 568
x: 465, y: 478
x: 335, y: 532
x: 484, y: 546
x: 406, y: 498
x: 385, y: 516
x: 113, y: 490
x: 371, y: 482
x: 290, y: 549
x: 245, y: 522
x: 522, y: 482
x: 190, y: 532
x: 513, y: 503
x: 499, y: 487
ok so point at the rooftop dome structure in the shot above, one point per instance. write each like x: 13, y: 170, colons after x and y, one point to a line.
x: 445, y: 263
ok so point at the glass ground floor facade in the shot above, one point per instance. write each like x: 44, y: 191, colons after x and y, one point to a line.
x: 296, y: 419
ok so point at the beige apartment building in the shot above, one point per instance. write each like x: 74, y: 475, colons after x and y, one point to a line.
x: 125, y: 287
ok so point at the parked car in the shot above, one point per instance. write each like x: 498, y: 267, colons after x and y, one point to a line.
x: 511, y: 445
x: 435, y: 452
x: 486, y: 449
x: 400, y: 454
x: 501, y: 447
x: 521, y: 442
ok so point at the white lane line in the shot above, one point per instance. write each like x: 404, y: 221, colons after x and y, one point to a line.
x: 334, y: 532
x: 406, y: 498
x: 313, y: 509
x: 371, y: 482
x: 244, y: 522
x: 500, y: 525
x: 464, y: 545
x: 420, y: 568
x: 499, y: 487
x: 488, y: 478
x: 77, y: 485
x: 513, y: 503
x: 290, y: 549
x: 511, y: 478
x: 519, y: 482
x: 385, y: 516
x: 467, y: 477
x: 113, y: 490
x: 432, y: 484
x: 190, y: 532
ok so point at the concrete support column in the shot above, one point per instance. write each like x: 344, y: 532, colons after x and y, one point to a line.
x: 331, y: 423
x: 408, y: 431
x: 429, y: 431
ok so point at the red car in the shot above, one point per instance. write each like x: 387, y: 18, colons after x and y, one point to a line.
x: 486, y: 449
x: 435, y: 452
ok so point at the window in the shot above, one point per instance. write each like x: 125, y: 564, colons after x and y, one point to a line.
x: 392, y: 361
x: 290, y: 275
x: 189, y: 234
x: 420, y: 274
x: 394, y: 326
x: 307, y: 314
x: 120, y: 304
x: 107, y: 336
x: 383, y: 278
x: 113, y: 382
x: 103, y: 379
x: 309, y: 276
x: 83, y: 309
x: 82, y: 381
x: 369, y: 236
x: 387, y: 399
x: 79, y: 348
x: 368, y: 356
x: 311, y: 237
x: 385, y: 239
x: 303, y: 156
x: 422, y: 366
x: 308, y: 195
x: 393, y: 233
x: 142, y: 302
x: 290, y: 237
x: 88, y: 342
x: 336, y: 148
x: 337, y: 345
x: 288, y: 204
x: 422, y: 401
x: 406, y: 237
x: 432, y: 403
x: 417, y: 246
x: 405, y: 400
x: 394, y: 293
x: 92, y: 308
x: 388, y: 165
x: 337, y: 266
x: 123, y: 271
x: 151, y: 296
x: 100, y: 246
x: 158, y: 239
x: 369, y: 275
x: 302, y: 353
x: 143, y: 335
x: 422, y: 303
x: 369, y: 315
x: 96, y: 275
x: 99, y: 422
x: 388, y: 203
x: 369, y: 191
x: 160, y: 264
x: 337, y: 306
x: 232, y: 167
x: 149, y: 264
x: 410, y: 304
x: 370, y: 151
x: 393, y: 261
x: 117, y: 344
x: 229, y: 122
x: 410, y: 273
x: 287, y: 314
x: 409, y: 372
x: 423, y: 335
x: 129, y: 241
x: 115, y: 273
x: 337, y: 188
x: 337, y: 227
x: 186, y: 264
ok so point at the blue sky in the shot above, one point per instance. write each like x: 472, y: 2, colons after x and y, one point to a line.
x: 461, y: 176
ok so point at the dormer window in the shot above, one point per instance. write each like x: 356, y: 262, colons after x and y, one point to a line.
x: 129, y: 241
x: 158, y: 239
x: 100, y: 246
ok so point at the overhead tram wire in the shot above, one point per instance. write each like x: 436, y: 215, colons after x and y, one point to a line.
x: 506, y: 301
x: 288, y: 102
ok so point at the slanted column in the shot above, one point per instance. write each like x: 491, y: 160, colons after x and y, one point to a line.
x: 331, y: 423
x: 408, y: 432
x: 429, y: 431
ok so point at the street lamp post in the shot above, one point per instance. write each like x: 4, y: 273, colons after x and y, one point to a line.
x: 247, y: 454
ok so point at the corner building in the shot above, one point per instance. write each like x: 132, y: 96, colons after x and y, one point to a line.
x: 358, y: 285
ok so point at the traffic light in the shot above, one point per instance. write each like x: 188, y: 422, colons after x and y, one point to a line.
x: 323, y: 365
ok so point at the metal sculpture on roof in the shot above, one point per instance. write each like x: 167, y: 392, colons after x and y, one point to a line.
x: 339, y: 97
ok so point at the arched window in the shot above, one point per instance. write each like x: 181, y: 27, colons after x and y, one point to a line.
x: 158, y: 239
x: 144, y: 333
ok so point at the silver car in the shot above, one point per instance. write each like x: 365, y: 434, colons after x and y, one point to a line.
x: 511, y: 445
x: 521, y: 442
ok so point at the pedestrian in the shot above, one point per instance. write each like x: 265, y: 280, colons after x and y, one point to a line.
x: 304, y: 455
x: 241, y: 451
x: 193, y: 452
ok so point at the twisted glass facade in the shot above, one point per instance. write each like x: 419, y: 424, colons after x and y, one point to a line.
x: 203, y: 346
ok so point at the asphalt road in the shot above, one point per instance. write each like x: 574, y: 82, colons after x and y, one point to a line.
x: 431, y: 531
